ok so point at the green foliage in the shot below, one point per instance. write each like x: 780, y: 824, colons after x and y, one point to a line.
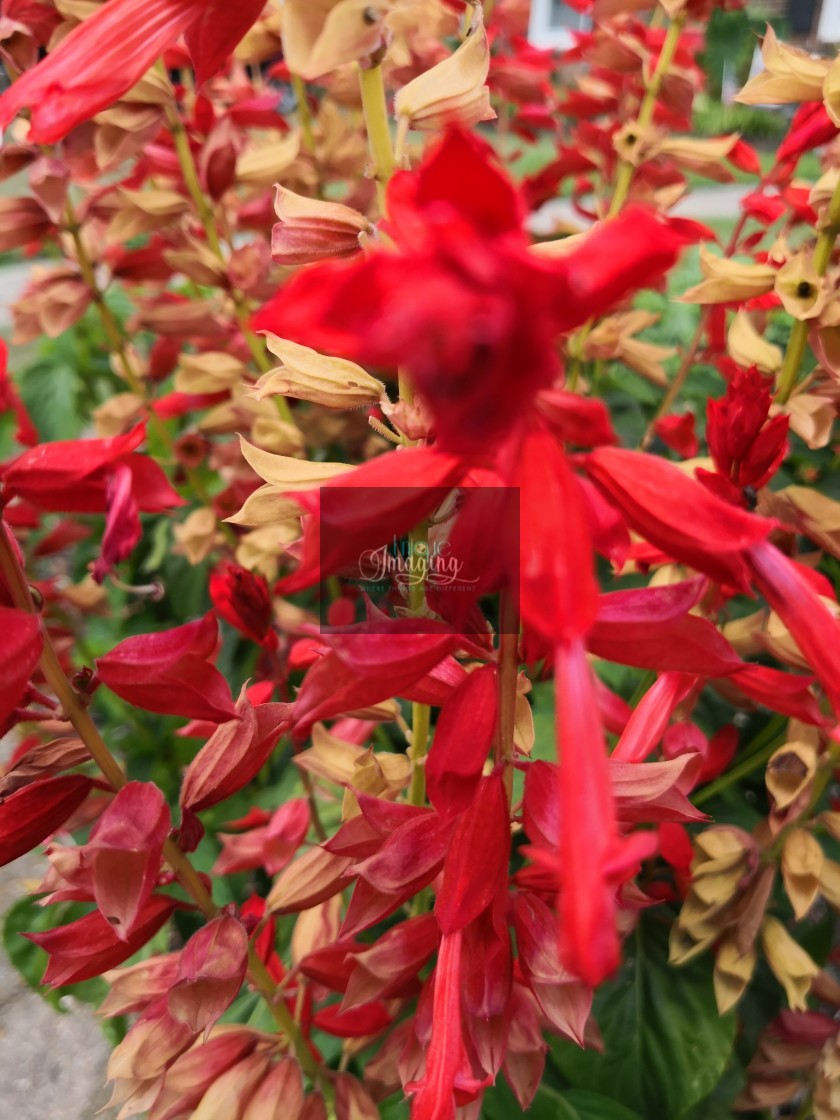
x: 665, y: 1046
x: 711, y: 118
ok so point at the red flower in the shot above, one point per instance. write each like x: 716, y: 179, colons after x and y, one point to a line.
x: 747, y: 448
x: 95, y: 476
x: 112, y: 49
x: 461, y: 302
x: 242, y: 598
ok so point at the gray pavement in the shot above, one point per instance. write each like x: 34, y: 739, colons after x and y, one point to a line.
x: 52, y: 1065
x: 705, y: 204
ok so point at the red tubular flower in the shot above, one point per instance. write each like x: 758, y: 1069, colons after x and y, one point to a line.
x: 242, y: 598
x: 463, y: 737
x: 677, y: 514
x: 461, y: 301
x: 588, y: 833
x: 476, y: 864
x: 810, y: 128
x: 558, y: 589
x: 792, y: 596
x: 170, y: 672
x: 435, y: 1093
x: 112, y: 49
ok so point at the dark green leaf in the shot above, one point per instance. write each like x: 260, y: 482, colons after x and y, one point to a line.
x: 666, y: 1047
x: 553, y: 1104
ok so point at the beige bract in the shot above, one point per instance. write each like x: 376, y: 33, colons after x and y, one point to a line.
x: 320, y: 35
x: 790, y: 75
x: 310, y: 376
x: 454, y: 91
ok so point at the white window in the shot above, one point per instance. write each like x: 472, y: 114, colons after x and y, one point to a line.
x: 552, y: 24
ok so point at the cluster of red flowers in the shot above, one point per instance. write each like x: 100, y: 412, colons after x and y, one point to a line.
x: 428, y: 888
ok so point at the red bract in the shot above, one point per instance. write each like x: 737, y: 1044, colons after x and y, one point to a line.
x: 124, y: 853
x: 170, y: 672
x: 20, y: 649
x: 210, y: 973
x: 33, y: 813
x: 233, y: 755
x: 95, y: 476
x: 90, y: 946
x: 678, y: 515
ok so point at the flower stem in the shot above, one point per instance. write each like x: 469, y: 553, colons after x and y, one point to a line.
x: 508, y: 675
x: 208, y: 220
x: 798, y: 340
x: 764, y: 745
x: 304, y: 115
x: 626, y: 169
x: 375, y: 109
x: 75, y: 711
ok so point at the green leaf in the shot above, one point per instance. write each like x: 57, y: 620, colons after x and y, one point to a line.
x: 553, y: 1104
x: 666, y: 1047
x: 50, y: 392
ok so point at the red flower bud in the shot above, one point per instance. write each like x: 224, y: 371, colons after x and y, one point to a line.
x: 242, y: 598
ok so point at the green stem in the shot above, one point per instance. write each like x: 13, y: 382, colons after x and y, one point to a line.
x: 508, y: 675
x: 304, y: 115
x: 764, y: 745
x: 626, y: 170
x: 798, y: 340
x: 189, y: 171
x: 375, y: 109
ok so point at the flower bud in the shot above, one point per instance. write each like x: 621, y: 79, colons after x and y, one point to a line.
x: 802, y: 864
x: 789, y: 772
x: 454, y: 91
x: 733, y: 971
x: 311, y: 230
x: 280, y: 1094
x: 310, y: 376
x: 22, y: 221
x: 791, y: 965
